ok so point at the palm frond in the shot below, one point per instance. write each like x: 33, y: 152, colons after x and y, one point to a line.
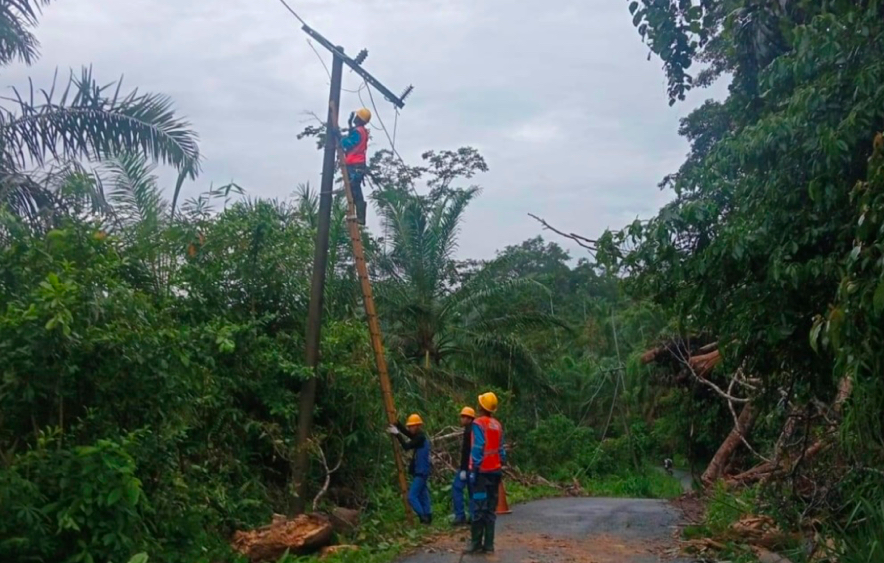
x: 503, y: 353
x: 23, y: 196
x: 307, y: 203
x: 135, y: 195
x: 479, y: 291
x: 450, y: 219
x: 183, y: 174
x: 17, y: 18
x: 84, y: 122
x: 520, y: 322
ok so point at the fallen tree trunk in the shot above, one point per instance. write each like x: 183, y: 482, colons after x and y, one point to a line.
x: 306, y: 533
x: 769, y: 470
x: 715, y: 469
x: 705, y: 363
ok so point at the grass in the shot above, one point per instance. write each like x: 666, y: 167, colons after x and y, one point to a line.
x: 633, y: 484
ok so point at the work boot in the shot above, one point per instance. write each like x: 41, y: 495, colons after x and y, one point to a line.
x: 459, y: 521
x: 424, y: 519
x: 475, y: 545
x: 360, y: 211
x: 488, y: 546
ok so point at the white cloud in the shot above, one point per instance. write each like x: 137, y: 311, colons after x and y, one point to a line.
x: 571, y: 117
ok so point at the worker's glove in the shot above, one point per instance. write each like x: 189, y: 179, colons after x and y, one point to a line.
x: 393, y: 430
x: 463, y: 475
x: 472, y: 477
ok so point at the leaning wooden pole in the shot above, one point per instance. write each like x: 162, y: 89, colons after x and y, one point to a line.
x: 374, y: 325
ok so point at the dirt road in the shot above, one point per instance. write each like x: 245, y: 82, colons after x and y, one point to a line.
x: 572, y: 530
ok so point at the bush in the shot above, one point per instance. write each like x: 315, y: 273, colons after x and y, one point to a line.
x: 73, y: 505
x: 558, y: 448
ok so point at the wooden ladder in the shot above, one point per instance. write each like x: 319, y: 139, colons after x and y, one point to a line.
x: 374, y: 325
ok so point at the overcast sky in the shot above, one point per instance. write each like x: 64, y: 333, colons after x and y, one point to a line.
x: 558, y: 96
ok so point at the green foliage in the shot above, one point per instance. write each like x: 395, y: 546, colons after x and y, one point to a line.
x: 559, y: 449
x: 773, y: 241
x: 152, y: 354
x: 864, y: 532
x: 647, y: 483
x: 83, y: 503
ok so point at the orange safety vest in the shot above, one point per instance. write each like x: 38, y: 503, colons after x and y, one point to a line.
x: 357, y: 153
x: 493, y: 430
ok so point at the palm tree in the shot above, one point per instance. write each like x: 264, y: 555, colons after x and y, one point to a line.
x: 438, y: 324
x: 81, y: 120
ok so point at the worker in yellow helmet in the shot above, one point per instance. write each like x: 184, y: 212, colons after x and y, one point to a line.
x: 355, y: 146
x: 461, y: 476
x: 412, y: 437
x: 487, y: 456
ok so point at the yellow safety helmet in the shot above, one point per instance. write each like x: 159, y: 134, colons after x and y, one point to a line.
x: 468, y: 411
x: 488, y: 401
x: 364, y: 114
x: 414, y: 420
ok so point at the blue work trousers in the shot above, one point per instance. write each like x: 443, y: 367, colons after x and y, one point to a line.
x: 457, y: 489
x: 419, y: 496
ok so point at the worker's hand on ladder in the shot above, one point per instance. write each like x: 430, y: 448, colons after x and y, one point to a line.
x: 392, y: 430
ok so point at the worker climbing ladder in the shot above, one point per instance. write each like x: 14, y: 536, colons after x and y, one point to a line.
x: 374, y: 325
x: 320, y: 261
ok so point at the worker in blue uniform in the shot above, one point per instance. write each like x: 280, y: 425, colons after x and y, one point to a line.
x: 413, y: 438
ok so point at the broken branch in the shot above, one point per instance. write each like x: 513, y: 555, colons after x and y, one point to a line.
x: 586, y: 243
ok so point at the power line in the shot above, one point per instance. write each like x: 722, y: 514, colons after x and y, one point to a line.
x: 389, y: 138
x: 395, y: 125
x: 384, y: 127
x: 293, y: 12
x: 318, y: 56
x: 362, y: 87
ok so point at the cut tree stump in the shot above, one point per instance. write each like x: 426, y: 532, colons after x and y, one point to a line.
x: 300, y: 535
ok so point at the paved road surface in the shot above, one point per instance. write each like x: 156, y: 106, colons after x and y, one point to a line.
x: 573, y: 530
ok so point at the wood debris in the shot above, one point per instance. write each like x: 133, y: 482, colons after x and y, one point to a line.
x: 300, y: 535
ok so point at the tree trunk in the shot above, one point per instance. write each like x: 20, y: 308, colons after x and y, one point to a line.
x: 303, y: 534
x: 728, y: 447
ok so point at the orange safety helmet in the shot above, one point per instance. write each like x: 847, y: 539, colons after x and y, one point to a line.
x: 364, y: 114
x: 488, y: 401
x: 468, y: 411
x: 414, y: 420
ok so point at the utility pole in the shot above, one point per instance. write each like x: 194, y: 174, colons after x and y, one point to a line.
x: 307, y: 398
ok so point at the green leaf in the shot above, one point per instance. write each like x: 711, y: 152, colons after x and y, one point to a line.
x: 633, y: 7
x: 133, y: 491
x: 878, y: 299
x: 815, y: 334
x: 139, y: 558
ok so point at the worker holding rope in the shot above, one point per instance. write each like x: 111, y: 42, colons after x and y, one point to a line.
x: 355, y: 145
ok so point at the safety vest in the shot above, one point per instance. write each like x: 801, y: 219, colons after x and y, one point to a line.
x: 493, y: 431
x: 357, y: 153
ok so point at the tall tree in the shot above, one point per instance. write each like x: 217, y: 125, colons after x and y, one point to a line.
x: 762, y: 227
